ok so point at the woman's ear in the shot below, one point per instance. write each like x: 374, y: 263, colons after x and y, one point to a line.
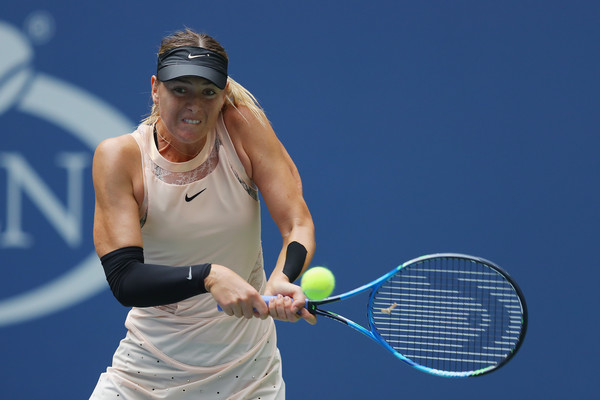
x: 154, y: 83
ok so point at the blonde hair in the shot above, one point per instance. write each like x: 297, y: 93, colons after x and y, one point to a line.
x: 235, y: 94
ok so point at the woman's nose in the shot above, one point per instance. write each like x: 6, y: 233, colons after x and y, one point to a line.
x: 193, y: 106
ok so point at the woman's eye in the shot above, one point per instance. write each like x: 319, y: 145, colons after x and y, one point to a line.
x: 209, y: 92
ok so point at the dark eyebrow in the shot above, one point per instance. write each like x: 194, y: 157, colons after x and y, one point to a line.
x: 181, y: 80
x: 189, y: 81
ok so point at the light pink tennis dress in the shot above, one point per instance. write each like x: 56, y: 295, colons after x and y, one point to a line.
x: 205, y: 210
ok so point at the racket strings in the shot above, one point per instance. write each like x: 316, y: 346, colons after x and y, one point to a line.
x: 449, y: 314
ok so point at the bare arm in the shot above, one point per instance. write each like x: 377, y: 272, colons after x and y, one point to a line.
x: 119, y: 191
x: 269, y: 165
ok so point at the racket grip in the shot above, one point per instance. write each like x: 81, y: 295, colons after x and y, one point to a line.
x: 266, y: 299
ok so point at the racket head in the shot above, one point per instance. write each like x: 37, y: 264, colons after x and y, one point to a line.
x: 449, y: 314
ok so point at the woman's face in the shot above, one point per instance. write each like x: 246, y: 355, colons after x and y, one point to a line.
x: 189, y: 106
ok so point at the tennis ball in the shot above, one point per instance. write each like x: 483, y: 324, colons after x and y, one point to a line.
x: 317, y: 283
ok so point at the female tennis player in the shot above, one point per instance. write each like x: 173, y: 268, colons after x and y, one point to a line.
x: 177, y: 228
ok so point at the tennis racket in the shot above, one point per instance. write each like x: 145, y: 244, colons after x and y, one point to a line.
x: 450, y: 315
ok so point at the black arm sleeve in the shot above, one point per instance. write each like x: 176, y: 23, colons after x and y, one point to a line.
x: 294, y: 260
x: 136, y: 284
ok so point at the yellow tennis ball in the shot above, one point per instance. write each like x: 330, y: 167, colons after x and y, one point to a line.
x: 317, y: 283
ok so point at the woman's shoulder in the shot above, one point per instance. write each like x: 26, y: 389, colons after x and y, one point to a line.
x: 243, y: 120
x: 235, y: 117
x: 117, y: 153
x: 118, y: 146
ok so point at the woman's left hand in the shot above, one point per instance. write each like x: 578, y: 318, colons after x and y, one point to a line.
x: 289, y: 303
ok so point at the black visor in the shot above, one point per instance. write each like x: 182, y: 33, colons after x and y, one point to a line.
x: 192, y: 61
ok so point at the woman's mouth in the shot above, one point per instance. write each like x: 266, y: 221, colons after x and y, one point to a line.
x: 191, y: 121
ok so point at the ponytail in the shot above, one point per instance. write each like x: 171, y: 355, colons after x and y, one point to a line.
x: 237, y: 95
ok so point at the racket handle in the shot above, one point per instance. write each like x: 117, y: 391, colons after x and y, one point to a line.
x: 266, y: 299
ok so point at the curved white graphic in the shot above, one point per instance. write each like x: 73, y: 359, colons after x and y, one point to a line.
x: 79, y: 113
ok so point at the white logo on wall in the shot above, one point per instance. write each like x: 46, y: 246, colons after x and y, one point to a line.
x: 88, y: 119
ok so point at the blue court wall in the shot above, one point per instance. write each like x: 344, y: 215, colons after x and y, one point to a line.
x: 417, y: 127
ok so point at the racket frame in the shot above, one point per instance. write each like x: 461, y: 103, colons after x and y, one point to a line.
x: 312, y: 306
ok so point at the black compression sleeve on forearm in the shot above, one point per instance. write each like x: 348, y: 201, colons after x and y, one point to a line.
x: 295, y: 257
x: 136, y: 284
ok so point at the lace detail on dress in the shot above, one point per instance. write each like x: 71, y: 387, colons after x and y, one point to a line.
x: 187, y: 177
x: 250, y: 190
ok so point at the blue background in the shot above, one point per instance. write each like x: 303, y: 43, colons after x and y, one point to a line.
x: 418, y: 127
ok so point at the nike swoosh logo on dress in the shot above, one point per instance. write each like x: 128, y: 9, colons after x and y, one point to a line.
x: 188, y: 198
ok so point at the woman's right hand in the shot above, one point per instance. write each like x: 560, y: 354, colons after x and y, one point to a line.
x: 234, y: 295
